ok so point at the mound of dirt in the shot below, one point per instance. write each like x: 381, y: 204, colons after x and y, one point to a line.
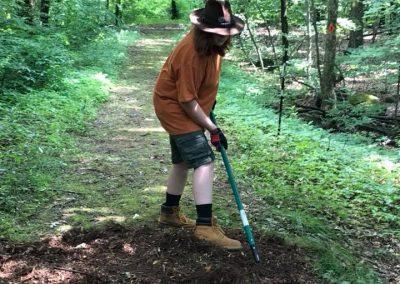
x: 149, y: 254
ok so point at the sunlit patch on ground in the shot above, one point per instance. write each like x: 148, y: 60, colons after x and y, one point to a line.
x: 116, y: 219
x: 143, y: 129
x: 155, y: 189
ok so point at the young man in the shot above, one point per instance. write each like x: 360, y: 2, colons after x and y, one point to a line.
x: 183, y: 98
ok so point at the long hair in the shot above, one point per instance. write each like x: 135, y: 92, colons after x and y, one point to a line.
x: 203, y: 43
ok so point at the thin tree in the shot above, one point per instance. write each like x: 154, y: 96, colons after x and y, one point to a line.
x: 270, y: 38
x: 243, y: 48
x: 174, y: 10
x: 285, y: 32
x: 328, y: 74
x: 317, y: 54
x: 398, y: 93
x: 356, y: 15
x: 118, y: 13
x: 44, y: 12
x: 285, y: 58
x: 375, y: 28
x: 309, y: 37
x: 391, y: 16
x: 253, y: 40
x: 106, y: 12
x: 28, y: 11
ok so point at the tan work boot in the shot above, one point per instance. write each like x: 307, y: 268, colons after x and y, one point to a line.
x: 216, y: 236
x: 171, y: 216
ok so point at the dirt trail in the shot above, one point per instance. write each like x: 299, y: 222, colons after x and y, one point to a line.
x: 117, y: 183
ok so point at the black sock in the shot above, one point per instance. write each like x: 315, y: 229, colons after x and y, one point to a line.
x: 172, y: 200
x: 204, y: 214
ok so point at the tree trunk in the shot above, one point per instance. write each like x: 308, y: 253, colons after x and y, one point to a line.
x: 318, y: 101
x: 243, y: 48
x: 285, y: 31
x: 328, y: 74
x: 391, y: 17
x: 375, y: 29
x: 356, y: 15
x: 118, y: 13
x: 174, y: 10
x: 253, y: 40
x: 316, y: 38
x: 309, y: 38
x: 107, y: 6
x: 44, y: 12
x: 398, y: 94
x: 28, y: 11
x: 285, y: 58
x: 270, y: 38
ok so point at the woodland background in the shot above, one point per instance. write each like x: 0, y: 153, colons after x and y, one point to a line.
x: 320, y: 79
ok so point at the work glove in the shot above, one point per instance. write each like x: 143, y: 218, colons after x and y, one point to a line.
x: 218, y: 138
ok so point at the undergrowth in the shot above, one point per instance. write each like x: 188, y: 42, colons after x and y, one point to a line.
x: 317, y: 189
x: 36, y: 129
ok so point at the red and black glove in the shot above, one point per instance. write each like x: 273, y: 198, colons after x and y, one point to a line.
x: 218, y: 138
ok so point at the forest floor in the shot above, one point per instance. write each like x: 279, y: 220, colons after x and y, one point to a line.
x: 103, y: 229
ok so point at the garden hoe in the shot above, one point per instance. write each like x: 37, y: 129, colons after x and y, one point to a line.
x: 246, y: 226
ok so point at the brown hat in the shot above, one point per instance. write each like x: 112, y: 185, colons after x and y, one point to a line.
x: 217, y: 18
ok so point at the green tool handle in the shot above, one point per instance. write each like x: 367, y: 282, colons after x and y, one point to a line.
x: 243, y: 217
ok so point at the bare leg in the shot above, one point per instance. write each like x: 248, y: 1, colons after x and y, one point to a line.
x: 170, y: 211
x: 177, y: 179
x: 202, y: 184
x: 206, y: 227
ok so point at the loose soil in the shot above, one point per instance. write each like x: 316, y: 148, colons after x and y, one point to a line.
x: 149, y: 254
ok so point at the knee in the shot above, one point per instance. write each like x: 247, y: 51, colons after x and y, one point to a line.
x: 206, y: 167
x: 181, y: 168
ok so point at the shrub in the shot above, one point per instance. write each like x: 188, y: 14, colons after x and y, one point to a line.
x: 31, y: 60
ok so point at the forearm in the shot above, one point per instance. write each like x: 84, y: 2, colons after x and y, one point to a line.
x: 196, y: 113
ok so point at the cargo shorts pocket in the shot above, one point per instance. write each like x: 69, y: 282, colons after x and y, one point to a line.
x: 193, y: 148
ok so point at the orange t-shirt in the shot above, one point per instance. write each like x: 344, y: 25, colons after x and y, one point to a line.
x: 185, y: 76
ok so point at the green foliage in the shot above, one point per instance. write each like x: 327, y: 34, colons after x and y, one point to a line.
x: 35, y: 132
x: 33, y: 56
x: 316, y: 187
x: 375, y: 57
x: 79, y: 20
x: 346, y: 116
x: 31, y: 60
x: 44, y: 97
x: 36, y: 127
x: 383, y: 11
x: 97, y: 52
x: 141, y: 11
x: 8, y: 9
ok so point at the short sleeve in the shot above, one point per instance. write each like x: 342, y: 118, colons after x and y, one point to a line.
x: 189, y: 78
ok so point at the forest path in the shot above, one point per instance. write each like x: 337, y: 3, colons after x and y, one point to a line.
x: 105, y: 221
x: 125, y: 152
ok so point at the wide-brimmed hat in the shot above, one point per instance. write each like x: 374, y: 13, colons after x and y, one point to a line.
x: 217, y: 18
